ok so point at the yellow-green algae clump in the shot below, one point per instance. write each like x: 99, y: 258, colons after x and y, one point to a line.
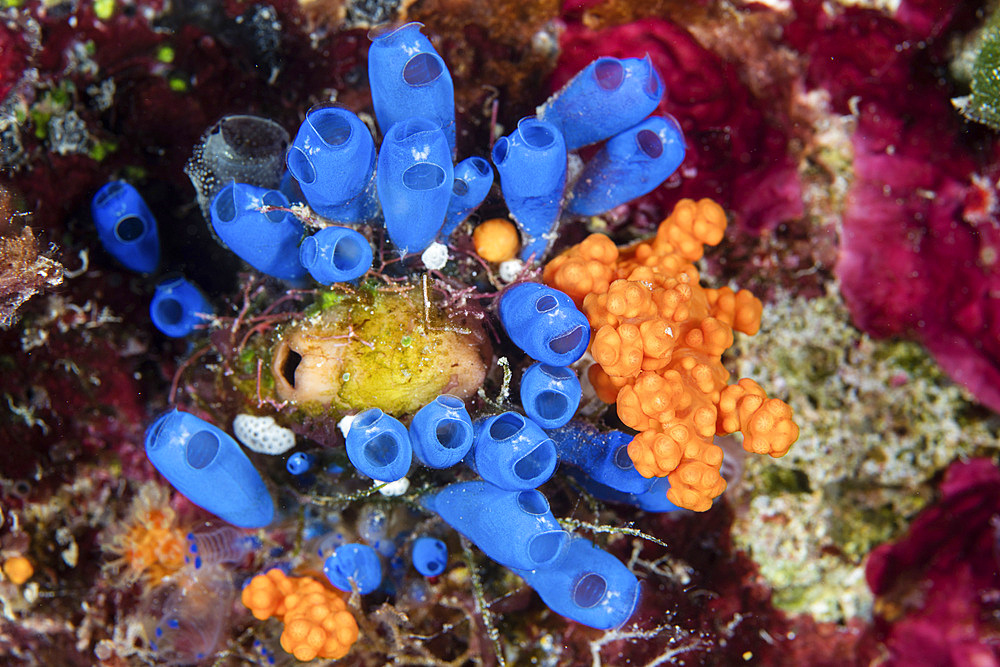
x: 388, y: 349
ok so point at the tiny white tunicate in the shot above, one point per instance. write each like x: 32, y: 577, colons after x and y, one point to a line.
x: 510, y: 269
x: 435, y: 257
x: 262, y: 434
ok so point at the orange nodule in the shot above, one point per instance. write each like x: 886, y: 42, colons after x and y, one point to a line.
x: 496, y: 240
x: 18, y: 569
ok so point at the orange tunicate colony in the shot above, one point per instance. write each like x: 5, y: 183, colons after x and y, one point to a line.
x: 657, y: 339
x: 317, y: 622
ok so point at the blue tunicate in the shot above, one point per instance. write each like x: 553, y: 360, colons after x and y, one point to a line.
x: 336, y: 255
x: 587, y: 585
x: 333, y: 161
x: 429, y: 555
x: 268, y: 241
x: 545, y: 323
x: 473, y: 180
x: 126, y: 227
x: 603, y: 99
x: 441, y: 432
x: 629, y: 165
x: 209, y: 468
x: 602, y: 456
x: 299, y: 463
x: 408, y: 79
x: 514, y: 528
x: 177, y: 307
x: 356, y: 564
x: 550, y: 394
x: 653, y: 499
x: 531, y: 161
x: 415, y: 177
x: 379, y: 446
x: 513, y: 452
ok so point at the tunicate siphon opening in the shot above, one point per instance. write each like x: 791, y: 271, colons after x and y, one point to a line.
x: 543, y: 548
x: 274, y: 198
x: 535, y: 462
x: 481, y: 165
x: 532, y: 502
x: 300, y: 166
x: 169, y: 311
x: 225, y: 204
x: 289, y: 365
x: 536, y: 136
x: 201, y: 449
x: 332, y: 125
x: 347, y: 253
x: 550, y: 405
x: 129, y: 229
x: 423, y: 176
x: 506, y: 426
x: 500, y: 149
x: 566, y: 342
x: 449, y: 401
x: 459, y: 188
x: 654, y: 85
x: 609, y: 73
x: 381, y: 450
x: 589, y: 590
x: 649, y: 143
x: 451, y: 433
x: 152, y: 438
x: 412, y: 127
x: 622, y: 459
x: 546, y: 303
x: 422, y: 69
x: 367, y: 418
x: 308, y: 252
x: 109, y: 192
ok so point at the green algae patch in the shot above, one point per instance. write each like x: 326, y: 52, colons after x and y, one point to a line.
x: 370, y: 348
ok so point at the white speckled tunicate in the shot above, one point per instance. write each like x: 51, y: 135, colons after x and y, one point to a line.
x: 263, y: 434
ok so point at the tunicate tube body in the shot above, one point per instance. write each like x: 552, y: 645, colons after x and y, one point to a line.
x: 354, y: 562
x: 429, y: 556
x: 606, y: 97
x: 514, y: 528
x: 531, y: 162
x: 602, y: 456
x: 473, y: 180
x: 545, y: 323
x: 587, y: 585
x: 513, y: 452
x: 207, y: 467
x: 177, y: 307
x: 378, y: 445
x: 408, y: 78
x: 333, y: 162
x: 415, y: 177
x: 550, y: 394
x: 441, y: 432
x: 629, y: 165
x: 336, y: 255
x: 126, y: 227
x: 269, y: 241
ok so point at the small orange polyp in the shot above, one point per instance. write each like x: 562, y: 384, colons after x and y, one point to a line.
x: 18, y: 569
x: 496, y: 240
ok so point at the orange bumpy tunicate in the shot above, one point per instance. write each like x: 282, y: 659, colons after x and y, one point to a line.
x: 658, y: 339
x: 317, y: 622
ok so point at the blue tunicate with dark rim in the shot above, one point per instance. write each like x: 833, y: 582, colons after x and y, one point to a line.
x: 531, y: 162
x: 513, y: 452
x: 354, y: 563
x: 605, y: 98
x: 441, y: 432
x: 629, y: 165
x: 429, y: 555
x: 126, y: 227
x: 209, y: 468
x: 378, y: 445
x: 178, y: 307
x: 335, y: 255
x: 550, y: 394
x: 545, y: 323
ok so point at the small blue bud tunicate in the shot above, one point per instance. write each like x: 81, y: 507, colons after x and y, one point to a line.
x: 336, y: 255
x: 378, y: 445
x: 178, y: 307
x: 545, y: 323
x: 126, y: 227
x: 441, y: 432
x: 513, y: 452
x: 430, y: 556
x: 354, y: 563
x: 473, y: 180
x: 550, y: 394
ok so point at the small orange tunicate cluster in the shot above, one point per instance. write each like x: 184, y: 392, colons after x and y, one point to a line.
x: 657, y: 339
x: 317, y: 622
